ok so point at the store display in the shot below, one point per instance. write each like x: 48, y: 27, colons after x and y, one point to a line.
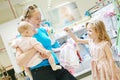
x: 99, y: 5
x: 117, y: 10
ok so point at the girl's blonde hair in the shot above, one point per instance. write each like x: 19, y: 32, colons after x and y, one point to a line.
x: 27, y: 13
x: 99, y: 27
x: 23, y: 26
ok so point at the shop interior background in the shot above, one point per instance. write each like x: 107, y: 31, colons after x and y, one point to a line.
x: 11, y: 10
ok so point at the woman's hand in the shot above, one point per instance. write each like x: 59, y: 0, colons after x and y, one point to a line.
x: 23, y: 58
x: 45, y: 55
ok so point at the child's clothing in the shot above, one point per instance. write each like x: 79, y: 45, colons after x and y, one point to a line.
x: 26, y: 43
x: 68, y: 56
x: 100, y: 65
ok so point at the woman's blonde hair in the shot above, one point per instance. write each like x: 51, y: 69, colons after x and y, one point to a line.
x: 27, y: 13
x: 23, y: 26
x: 99, y: 27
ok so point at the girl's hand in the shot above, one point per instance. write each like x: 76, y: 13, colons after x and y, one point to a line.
x: 66, y: 29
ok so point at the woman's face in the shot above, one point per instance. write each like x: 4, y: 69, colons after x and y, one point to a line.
x: 35, y: 19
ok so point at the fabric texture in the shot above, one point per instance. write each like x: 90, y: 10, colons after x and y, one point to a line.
x: 68, y: 56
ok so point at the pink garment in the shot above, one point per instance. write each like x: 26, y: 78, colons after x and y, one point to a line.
x: 72, y: 71
x: 100, y: 65
x: 26, y: 43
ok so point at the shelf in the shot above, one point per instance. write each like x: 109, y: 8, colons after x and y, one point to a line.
x: 82, y: 72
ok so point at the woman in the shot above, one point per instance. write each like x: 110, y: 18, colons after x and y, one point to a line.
x: 41, y: 71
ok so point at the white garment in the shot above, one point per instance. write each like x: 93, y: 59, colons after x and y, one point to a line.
x: 68, y: 55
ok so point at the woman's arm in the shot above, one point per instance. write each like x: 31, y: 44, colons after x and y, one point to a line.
x: 77, y: 40
x: 23, y: 58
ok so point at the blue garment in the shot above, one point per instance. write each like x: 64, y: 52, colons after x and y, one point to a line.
x: 43, y: 37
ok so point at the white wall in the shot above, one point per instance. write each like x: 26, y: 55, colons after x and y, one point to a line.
x: 7, y: 32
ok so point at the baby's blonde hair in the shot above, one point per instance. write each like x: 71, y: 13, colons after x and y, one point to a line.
x: 23, y: 26
x: 99, y: 27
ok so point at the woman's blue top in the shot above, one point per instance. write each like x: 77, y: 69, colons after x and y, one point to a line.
x: 43, y: 37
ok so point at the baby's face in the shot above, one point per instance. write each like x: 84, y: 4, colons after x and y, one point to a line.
x: 31, y: 31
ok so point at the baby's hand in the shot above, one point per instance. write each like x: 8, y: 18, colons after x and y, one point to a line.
x: 46, y: 54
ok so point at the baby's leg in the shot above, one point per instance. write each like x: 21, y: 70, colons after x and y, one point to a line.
x: 52, y: 63
x: 28, y: 73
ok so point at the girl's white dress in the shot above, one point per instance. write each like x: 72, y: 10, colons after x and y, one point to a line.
x: 100, y: 65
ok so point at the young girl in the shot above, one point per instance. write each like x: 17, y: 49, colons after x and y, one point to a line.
x: 26, y: 42
x: 102, y: 64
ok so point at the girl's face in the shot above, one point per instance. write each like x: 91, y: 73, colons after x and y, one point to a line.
x: 35, y: 19
x: 91, y: 32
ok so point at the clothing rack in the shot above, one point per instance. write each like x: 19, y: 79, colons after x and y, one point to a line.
x: 97, y: 7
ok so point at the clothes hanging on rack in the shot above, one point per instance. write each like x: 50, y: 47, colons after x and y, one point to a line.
x: 69, y: 56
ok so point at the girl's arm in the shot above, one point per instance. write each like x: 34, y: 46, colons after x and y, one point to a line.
x: 77, y: 40
x: 23, y: 58
x: 111, y: 60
